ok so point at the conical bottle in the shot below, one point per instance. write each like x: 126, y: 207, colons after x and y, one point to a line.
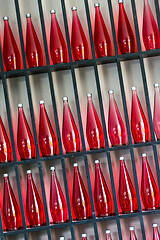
x: 47, y: 140
x: 34, y: 206
x: 80, y: 198
x: 11, y: 210
x: 108, y: 235
x: 149, y: 190
x: 70, y: 133
x: 102, y: 198
x: 58, y: 206
x: 25, y: 142
x: 11, y: 55
x: 132, y: 233
x: 84, y: 236
x: 58, y: 48
x: 156, y: 116
x: 33, y: 48
x: 116, y: 129
x: 127, y: 194
x: 5, y: 148
x: 156, y: 235
x: 139, y: 124
x: 150, y: 32
x: 126, y: 39
x: 102, y: 40
x: 78, y: 38
x: 94, y: 128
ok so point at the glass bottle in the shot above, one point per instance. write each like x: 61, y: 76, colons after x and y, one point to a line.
x: 127, y: 194
x: 33, y: 48
x: 150, y: 32
x: 58, y: 48
x: 102, y: 198
x: 78, y: 39
x: 70, y: 133
x: 108, y: 234
x: 11, y: 210
x: 132, y: 233
x: 47, y: 140
x: 25, y: 142
x: 139, y: 124
x: 156, y: 235
x: 149, y: 190
x: 126, y: 39
x: 102, y: 40
x: 84, y: 236
x: 94, y: 128
x: 80, y: 199
x: 5, y: 147
x: 58, y: 206
x: 34, y: 206
x: 156, y: 115
x: 116, y: 129
x: 11, y: 55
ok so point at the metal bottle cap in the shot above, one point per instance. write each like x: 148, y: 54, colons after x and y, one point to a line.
x: 52, y: 11
x: 74, y: 8
x: 28, y: 15
x: 5, y: 18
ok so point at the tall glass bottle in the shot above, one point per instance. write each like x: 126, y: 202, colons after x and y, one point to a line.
x: 84, y: 236
x: 58, y: 48
x: 80, y: 198
x: 11, y: 210
x: 126, y: 39
x: 132, y: 233
x: 25, y: 142
x: 78, y: 38
x: 150, y: 32
x: 34, y: 206
x: 127, y: 194
x: 156, y: 115
x: 94, y: 128
x: 108, y: 234
x: 139, y: 124
x: 47, y: 140
x: 156, y: 235
x: 33, y: 48
x: 102, y: 198
x: 70, y: 133
x: 102, y: 40
x: 5, y: 147
x: 149, y: 190
x: 116, y: 129
x: 11, y: 55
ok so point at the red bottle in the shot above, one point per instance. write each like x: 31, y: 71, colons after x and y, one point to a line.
x: 132, y: 233
x: 102, y: 40
x: 70, y: 133
x: 33, y: 48
x: 11, y: 211
x: 127, y: 194
x: 108, y: 235
x: 149, y: 190
x: 156, y: 117
x: 47, y: 140
x: 78, y: 38
x: 80, y: 198
x: 102, y: 198
x: 5, y: 148
x: 139, y: 124
x: 34, y: 207
x: 11, y: 55
x: 156, y: 235
x: 84, y: 236
x: 150, y: 32
x: 94, y: 129
x: 126, y: 39
x: 116, y: 129
x: 25, y: 142
x: 58, y: 206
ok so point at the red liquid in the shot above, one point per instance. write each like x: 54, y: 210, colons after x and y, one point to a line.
x: 34, y: 207
x: 58, y: 206
x: 25, y: 142
x: 102, y: 40
x: 126, y: 39
x: 102, y: 198
x: 78, y: 39
x: 11, y: 210
x: 11, y: 55
x: 58, y: 46
x: 156, y: 235
x: 94, y: 129
x: 149, y: 190
x: 80, y: 198
x: 150, y: 30
x: 156, y: 118
x: 5, y: 148
x: 132, y: 235
x: 116, y: 127
x: 108, y: 235
x: 33, y: 48
x: 139, y: 124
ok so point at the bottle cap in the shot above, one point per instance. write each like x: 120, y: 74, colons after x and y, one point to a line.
x: 89, y: 95
x: 20, y: 105
x: 75, y: 164
x: 52, y: 11
x: 156, y: 85
x: 74, y: 8
x: 84, y: 235
x: 97, y: 161
x: 5, y: 18
x: 108, y: 231
x: 5, y: 175
x: 144, y: 154
x: 52, y: 168
x: 65, y: 99
x: 110, y: 92
x: 133, y: 88
x: 96, y: 5
x: 41, y: 102
x: 121, y: 158
x: 29, y: 171
x: 61, y: 238
x: 131, y: 228
x: 154, y: 225
x: 28, y: 15
x: 120, y: 1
